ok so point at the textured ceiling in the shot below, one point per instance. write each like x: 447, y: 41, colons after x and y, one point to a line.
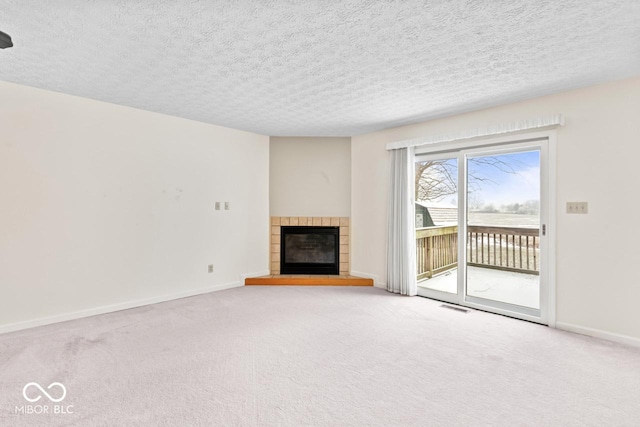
x: 317, y: 67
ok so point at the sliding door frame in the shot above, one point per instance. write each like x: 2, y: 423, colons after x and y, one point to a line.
x: 546, y: 141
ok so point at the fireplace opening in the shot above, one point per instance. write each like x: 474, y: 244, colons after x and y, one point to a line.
x: 309, y: 250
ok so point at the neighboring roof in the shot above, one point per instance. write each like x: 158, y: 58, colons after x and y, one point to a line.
x: 441, y: 213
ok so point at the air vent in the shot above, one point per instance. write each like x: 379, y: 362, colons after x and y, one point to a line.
x: 452, y: 307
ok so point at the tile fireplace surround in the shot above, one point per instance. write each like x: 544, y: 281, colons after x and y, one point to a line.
x: 278, y: 221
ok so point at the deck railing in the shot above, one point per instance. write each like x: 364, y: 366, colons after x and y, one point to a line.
x: 436, y: 250
x: 502, y: 248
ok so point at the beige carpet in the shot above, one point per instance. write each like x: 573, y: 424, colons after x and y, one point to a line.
x: 317, y: 356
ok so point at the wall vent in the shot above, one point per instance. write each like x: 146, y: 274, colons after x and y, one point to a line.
x: 452, y: 307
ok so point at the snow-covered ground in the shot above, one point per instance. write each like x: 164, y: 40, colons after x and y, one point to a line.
x: 505, y: 286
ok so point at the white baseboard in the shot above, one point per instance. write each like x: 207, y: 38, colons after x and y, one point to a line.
x: 597, y: 333
x: 376, y: 282
x: 11, y: 327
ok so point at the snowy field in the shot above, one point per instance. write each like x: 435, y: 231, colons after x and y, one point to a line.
x: 504, y: 220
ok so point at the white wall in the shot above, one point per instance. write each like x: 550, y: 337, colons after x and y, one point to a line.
x: 310, y: 176
x: 103, y: 206
x: 598, y: 260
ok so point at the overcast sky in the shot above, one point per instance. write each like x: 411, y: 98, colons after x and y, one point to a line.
x: 519, y: 185
x: 509, y: 188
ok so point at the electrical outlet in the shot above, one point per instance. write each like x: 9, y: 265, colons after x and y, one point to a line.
x: 217, y: 206
x: 227, y: 206
x: 577, y: 207
x: 210, y: 268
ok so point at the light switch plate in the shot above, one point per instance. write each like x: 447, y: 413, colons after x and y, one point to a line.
x: 577, y: 207
x: 217, y: 206
x: 227, y: 206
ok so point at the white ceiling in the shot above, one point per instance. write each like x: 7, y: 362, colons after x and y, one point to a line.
x: 317, y: 67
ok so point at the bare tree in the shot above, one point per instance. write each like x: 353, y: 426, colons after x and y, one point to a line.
x: 474, y: 202
x: 436, y: 179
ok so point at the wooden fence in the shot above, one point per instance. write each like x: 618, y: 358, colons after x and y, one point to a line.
x: 502, y: 248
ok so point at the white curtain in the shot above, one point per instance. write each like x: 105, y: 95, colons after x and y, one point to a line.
x: 401, y: 241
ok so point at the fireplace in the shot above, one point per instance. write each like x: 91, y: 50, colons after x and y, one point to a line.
x: 309, y: 250
x: 277, y: 222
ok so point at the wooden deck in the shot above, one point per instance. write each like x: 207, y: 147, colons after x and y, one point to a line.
x: 307, y: 280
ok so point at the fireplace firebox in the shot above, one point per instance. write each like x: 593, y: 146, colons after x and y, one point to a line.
x: 309, y: 250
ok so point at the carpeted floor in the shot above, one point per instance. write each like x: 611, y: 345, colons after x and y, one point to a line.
x: 315, y: 356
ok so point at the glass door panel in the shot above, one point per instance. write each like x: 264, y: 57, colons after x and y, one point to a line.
x: 503, y: 230
x: 436, y: 184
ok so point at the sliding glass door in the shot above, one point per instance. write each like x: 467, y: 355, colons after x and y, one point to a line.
x: 437, y: 223
x: 481, y: 228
